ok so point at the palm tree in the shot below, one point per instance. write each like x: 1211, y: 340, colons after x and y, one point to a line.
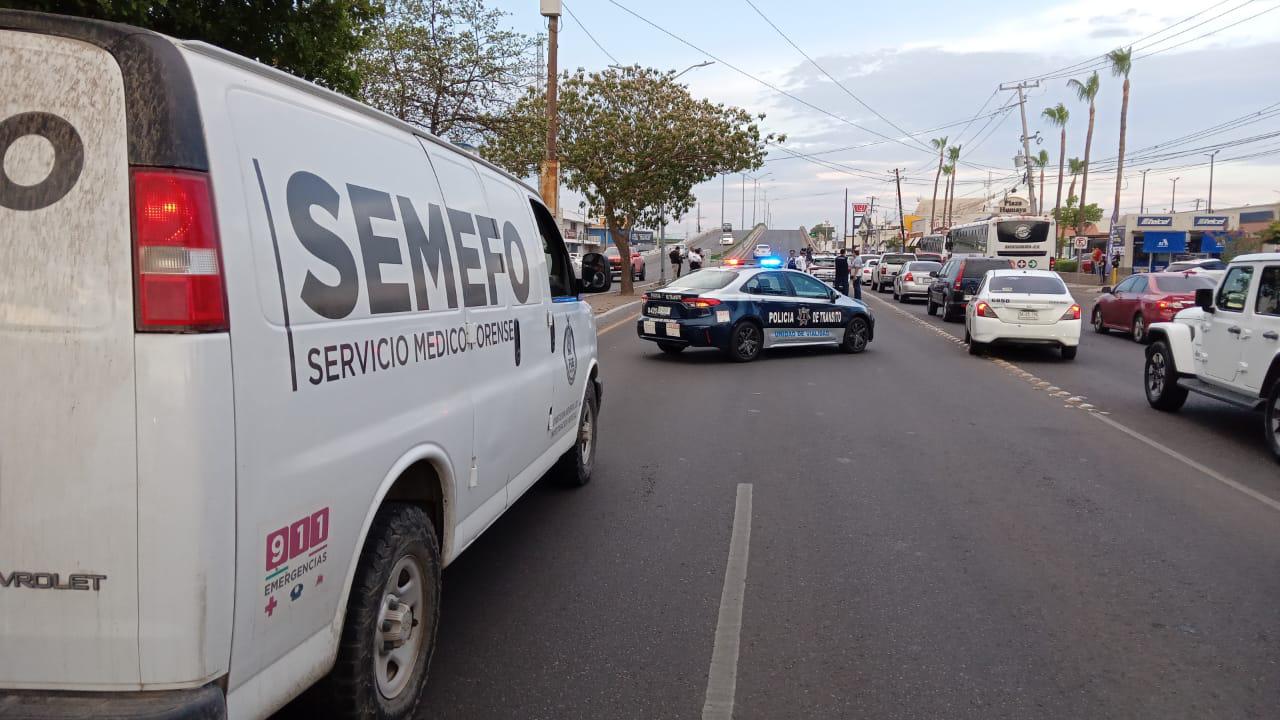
x: 1041, y: 161
x: 1075, y: 167
x: 1058, y: 116
x: 1086, y: 91
x: 939, y: 144
x: 1121, y: 60
x: 953, y: 154
x: 946, y: 170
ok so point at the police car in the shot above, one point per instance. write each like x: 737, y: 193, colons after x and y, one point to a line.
x: 743, y: 310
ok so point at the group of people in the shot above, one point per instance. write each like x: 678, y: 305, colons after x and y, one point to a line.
x: 677, y: 258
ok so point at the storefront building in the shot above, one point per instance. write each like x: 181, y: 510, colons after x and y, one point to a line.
x: 1151, y: 242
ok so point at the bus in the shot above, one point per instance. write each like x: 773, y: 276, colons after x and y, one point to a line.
x: 936, y: 244
x: 1027, y: 240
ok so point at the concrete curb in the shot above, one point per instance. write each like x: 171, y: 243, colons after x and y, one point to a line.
x: 617, y: 312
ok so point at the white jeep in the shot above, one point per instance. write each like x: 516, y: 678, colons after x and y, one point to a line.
x: 1226, y: 348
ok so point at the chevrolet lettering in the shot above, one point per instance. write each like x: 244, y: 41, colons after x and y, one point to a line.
x: 267, y: 355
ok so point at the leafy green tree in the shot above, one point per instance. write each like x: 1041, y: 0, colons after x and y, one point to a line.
x: 1086, y: 91
x: 1071, y: 214
x: 953, y: 154
x: 634, y: 142
x: 1041, y: 159
x: 316, y: 39
x: 448, y: 66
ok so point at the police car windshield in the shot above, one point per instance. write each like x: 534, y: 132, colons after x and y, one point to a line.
x: 705, y: 280
x: 1029, y: 284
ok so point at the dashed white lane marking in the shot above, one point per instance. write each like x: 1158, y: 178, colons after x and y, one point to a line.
x: 1077, y: 401
x: 722, y: 680
x: 1072, y: 400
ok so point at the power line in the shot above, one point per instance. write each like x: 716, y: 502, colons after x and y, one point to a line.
x: 588, y: 32
x: 831, y: 77
x: 765, y: 83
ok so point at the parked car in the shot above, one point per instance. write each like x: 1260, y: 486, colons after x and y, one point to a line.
x: 869, y: 263
x: 1226, y: 347
x: 824, y: 267
x: 914, y: 280
x: 1022, y: 307
x: 762, y: 250
x: 1140, y: 300
x: 956, y: 281
x: 615, y: 263
x: 884, y: 273
x: 1211, y: 268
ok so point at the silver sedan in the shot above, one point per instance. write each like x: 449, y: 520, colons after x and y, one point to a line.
x: 913, y: 280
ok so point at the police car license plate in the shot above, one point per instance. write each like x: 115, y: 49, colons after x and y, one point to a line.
x: 1028, y: 315
x: 673, y: 329
x: 660, y: 310
x: 650, y: 327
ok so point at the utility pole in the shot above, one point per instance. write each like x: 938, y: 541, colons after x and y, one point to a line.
x: 867, y: 221
x: 550, y: 177
x: 902, y: 224
x: 755, y: 198
x: 1211, y: 156
x: 721, y: 201
x: 1173, y: 205
x: 1142, y: 200
x: 743, y: 221
x: 1198, y: 201
x: 698, y: 221
x: 844, y: 219
x: 1026, y: 139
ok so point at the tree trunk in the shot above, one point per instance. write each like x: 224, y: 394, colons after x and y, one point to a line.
x: 933, y: 205
x: 1057, y: 205
x: 1124, y: 126
x: 946, y: 193
x: 951, y: 203
x: 1084, y: 180
x: 623, y: 243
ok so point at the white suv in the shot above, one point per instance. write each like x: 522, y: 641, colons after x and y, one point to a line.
x: 1227, y: 347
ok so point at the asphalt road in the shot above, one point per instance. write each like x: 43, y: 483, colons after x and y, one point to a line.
x: 931, y: 536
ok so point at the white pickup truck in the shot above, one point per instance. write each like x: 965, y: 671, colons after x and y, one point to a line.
x: 1226, y: 348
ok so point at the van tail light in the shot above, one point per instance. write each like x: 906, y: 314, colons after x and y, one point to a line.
x: 908, y: 278
x: 700, y: 302
x: 1072, y: 313
x: 178, y: 282
x: 984, y: 310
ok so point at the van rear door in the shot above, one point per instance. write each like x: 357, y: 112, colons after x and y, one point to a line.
x: 68, y: 473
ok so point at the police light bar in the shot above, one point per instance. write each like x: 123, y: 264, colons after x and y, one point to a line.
x: 771, y: 262
x: 733, y: 261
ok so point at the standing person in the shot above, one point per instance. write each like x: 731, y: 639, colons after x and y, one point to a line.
x: 695, y: 260
x: 841, y: 280
x: 792, y: 262
x: 676, y: 260
x: 856, y: 267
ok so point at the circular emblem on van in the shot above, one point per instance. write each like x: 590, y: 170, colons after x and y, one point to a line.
x: 570, y: 355
x: 1022, y: 232
x: 68, y: 160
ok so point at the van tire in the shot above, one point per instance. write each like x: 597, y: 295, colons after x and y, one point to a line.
x: 573, y: 469
x: 400, y: 533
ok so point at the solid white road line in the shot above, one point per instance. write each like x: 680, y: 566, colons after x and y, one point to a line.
x: 1269, y: 502
x: 722, y: 680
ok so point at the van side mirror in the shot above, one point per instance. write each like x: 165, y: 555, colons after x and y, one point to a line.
x: 1204, y: 299
x: 596, y: 277
x: 1106, y: 289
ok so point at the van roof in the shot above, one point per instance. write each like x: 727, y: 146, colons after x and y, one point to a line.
x: 163, y: 120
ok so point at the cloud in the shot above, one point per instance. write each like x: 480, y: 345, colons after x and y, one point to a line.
x: 1110, y: 32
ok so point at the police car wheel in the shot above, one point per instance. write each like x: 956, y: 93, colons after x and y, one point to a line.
x: 574, y: 467
x: 856, y: 336
x: 745, y: 342
x: 671, y: 348
x: 389, y: 633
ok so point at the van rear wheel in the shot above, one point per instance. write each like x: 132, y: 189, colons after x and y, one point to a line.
x: 389, y: 633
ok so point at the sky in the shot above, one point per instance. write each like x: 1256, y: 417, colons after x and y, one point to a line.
x: 932, y: 68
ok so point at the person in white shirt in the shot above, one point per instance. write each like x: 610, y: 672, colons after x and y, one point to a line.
x: 856, y: 267
x: 695, y: 260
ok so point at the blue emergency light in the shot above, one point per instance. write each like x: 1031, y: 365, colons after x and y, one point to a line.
x: 771, y: 262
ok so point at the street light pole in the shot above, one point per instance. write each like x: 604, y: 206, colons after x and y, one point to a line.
x: 722, y: 202
x: 1173, y: 205
x: 1142, y: 201
x: 1211, y: 157
x: 743, y: 220
x: 550, y: 176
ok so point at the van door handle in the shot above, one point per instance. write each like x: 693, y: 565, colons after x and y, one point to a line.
x: 1234, y: 329
x: 1271, y: 335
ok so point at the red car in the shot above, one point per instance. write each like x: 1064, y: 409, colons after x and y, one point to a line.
x: 615, y: 263
x: 1140, y: 300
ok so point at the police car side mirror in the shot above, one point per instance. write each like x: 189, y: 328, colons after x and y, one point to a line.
x: 596, y: 277
x: 1204, y: 299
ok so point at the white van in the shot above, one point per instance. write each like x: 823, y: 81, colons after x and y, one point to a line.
x: 269, y: 360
